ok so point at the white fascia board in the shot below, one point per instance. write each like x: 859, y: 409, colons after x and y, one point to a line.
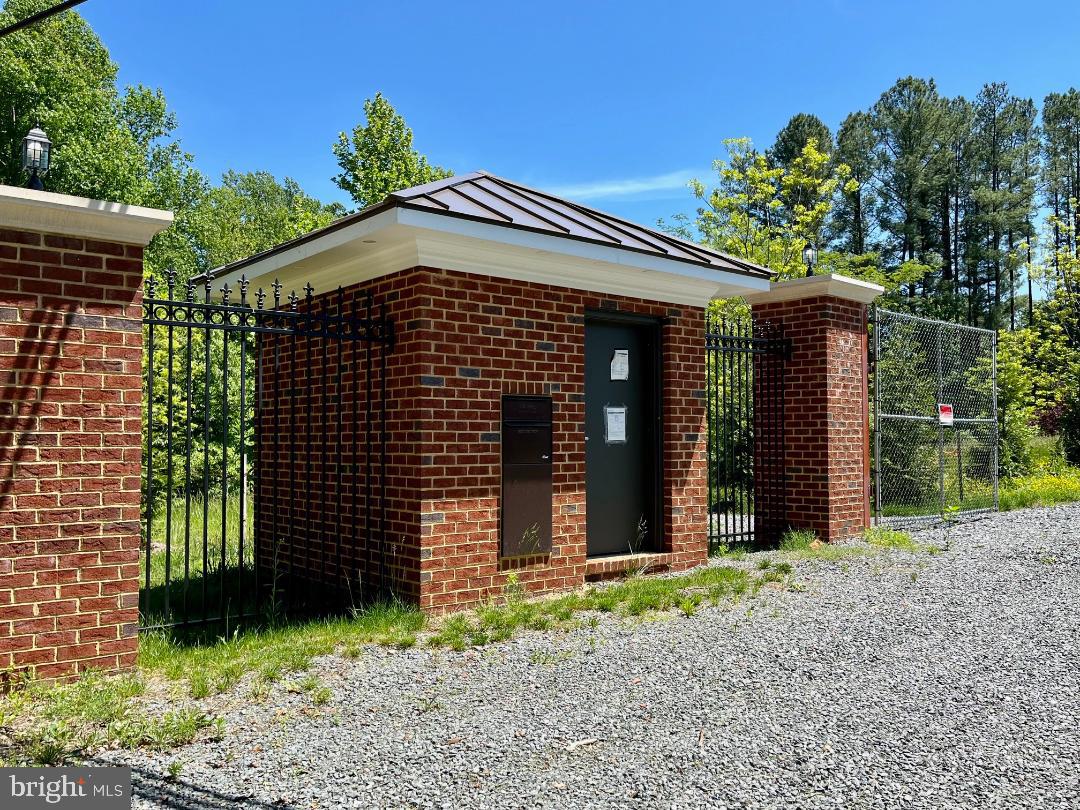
x: 832, y: 285
x: 406, y: 237
x: 48, y: 212
x: 279, y: 265
x: 462, y: 254
x: 560, y: 246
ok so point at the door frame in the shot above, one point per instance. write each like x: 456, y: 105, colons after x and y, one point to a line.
x: 655, y: 324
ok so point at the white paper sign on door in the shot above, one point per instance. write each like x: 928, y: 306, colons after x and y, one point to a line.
x: 615, y: 424
x: 620, y: 364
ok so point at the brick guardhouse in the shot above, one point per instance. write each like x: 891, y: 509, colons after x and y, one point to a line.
x: 544, y: 399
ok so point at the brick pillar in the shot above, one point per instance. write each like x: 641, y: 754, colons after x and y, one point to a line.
x: 826, y: 413
x: 70, y: 430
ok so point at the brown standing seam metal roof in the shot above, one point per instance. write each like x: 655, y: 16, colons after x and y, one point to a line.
x: 483, y: 197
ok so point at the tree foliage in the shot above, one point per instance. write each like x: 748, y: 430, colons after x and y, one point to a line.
x: 796, y: 134
x: 252, y: 212
x: 938, y: 200
x: 767, y: 214
x: 59, y: 75
x: 378, y: 157
x: 121, y: 146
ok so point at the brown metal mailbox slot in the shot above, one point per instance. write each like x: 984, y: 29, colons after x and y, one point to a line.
x: 526, y: 476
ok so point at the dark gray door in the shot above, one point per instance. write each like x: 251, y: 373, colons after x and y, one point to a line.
x: 621, y: 429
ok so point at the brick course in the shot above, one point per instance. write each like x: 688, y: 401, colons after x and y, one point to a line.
x: 826, y: 420
x: 70, y: 453
x: 302, y: 443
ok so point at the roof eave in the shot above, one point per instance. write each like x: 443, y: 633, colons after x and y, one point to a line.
x: 310, y: 236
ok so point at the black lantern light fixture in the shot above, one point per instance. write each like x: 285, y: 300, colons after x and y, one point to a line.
x: 36, y: 155
x: 809, y: 257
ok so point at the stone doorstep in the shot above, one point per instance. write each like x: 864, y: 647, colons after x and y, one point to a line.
x: 603, y: 567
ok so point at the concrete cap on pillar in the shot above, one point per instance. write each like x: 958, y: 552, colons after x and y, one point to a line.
x: 31, y: 210
x: 832, y: 285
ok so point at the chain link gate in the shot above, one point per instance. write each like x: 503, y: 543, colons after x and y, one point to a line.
x: 264, y: 452
x: 745, y: 360
x: 935, y: 418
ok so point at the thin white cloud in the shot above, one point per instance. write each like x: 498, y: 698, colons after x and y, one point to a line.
x: 645, y: 187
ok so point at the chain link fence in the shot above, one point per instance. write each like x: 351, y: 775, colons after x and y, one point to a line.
x: 935, y: 418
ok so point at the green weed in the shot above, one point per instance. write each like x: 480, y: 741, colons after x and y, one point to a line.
x: 634, y: 596
x: 798, y: 539
x: 51, y: 723
x: 214, y: 665
x: 884, y: 537
x: 1041, y: 489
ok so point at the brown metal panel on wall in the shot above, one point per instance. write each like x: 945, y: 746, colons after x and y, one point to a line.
x: 526, y: 476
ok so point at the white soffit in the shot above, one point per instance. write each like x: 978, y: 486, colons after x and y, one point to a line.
x: 44, y: 211
x: 400, y: 238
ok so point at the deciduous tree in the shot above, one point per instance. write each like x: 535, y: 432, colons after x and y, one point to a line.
x: 378, y: 157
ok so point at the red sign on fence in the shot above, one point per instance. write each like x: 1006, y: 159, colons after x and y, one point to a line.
x: 945, y: 413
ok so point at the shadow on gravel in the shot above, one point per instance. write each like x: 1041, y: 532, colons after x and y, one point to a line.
x: 153, y: 787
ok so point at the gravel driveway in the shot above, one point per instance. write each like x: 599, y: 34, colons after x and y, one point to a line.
x: 898, y: 680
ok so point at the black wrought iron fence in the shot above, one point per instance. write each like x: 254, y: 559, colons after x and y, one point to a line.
x: 263, y: 448
x: 745, y: 398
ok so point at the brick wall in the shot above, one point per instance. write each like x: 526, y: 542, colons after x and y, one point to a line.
x: 825, y: 414
x: 465, y: 340
x: 315, y: 432
x: 70, y: 414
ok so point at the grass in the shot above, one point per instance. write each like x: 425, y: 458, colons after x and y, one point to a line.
x: 798, y: 540
x: 1051, y: 482
x: 52, y: 724
x: 48, y: 724
x: 178, y: 571
x: 883, y: 537
x: 212, y: 666
x: 632, y: 597
x: 803, y: 544
x: 1050, y: 485
x: 219, y: 519
x: 1041, y: 489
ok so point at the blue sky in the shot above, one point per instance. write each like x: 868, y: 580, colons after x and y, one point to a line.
x: 616, y: 104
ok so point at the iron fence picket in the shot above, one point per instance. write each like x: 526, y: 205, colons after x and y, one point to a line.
x: 744, y: 370
x: 242, y: 396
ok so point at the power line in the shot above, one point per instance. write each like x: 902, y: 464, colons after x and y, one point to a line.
x: 59, y: 8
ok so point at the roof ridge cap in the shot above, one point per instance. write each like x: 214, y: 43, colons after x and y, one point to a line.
x: 433, y: 185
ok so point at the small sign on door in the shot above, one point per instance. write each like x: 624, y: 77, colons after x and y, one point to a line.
x: 945, y: 414
x: 620, y: 364
x: 615, y: 424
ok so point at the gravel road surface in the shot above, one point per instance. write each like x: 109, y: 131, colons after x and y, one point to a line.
x: 889, y: 681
